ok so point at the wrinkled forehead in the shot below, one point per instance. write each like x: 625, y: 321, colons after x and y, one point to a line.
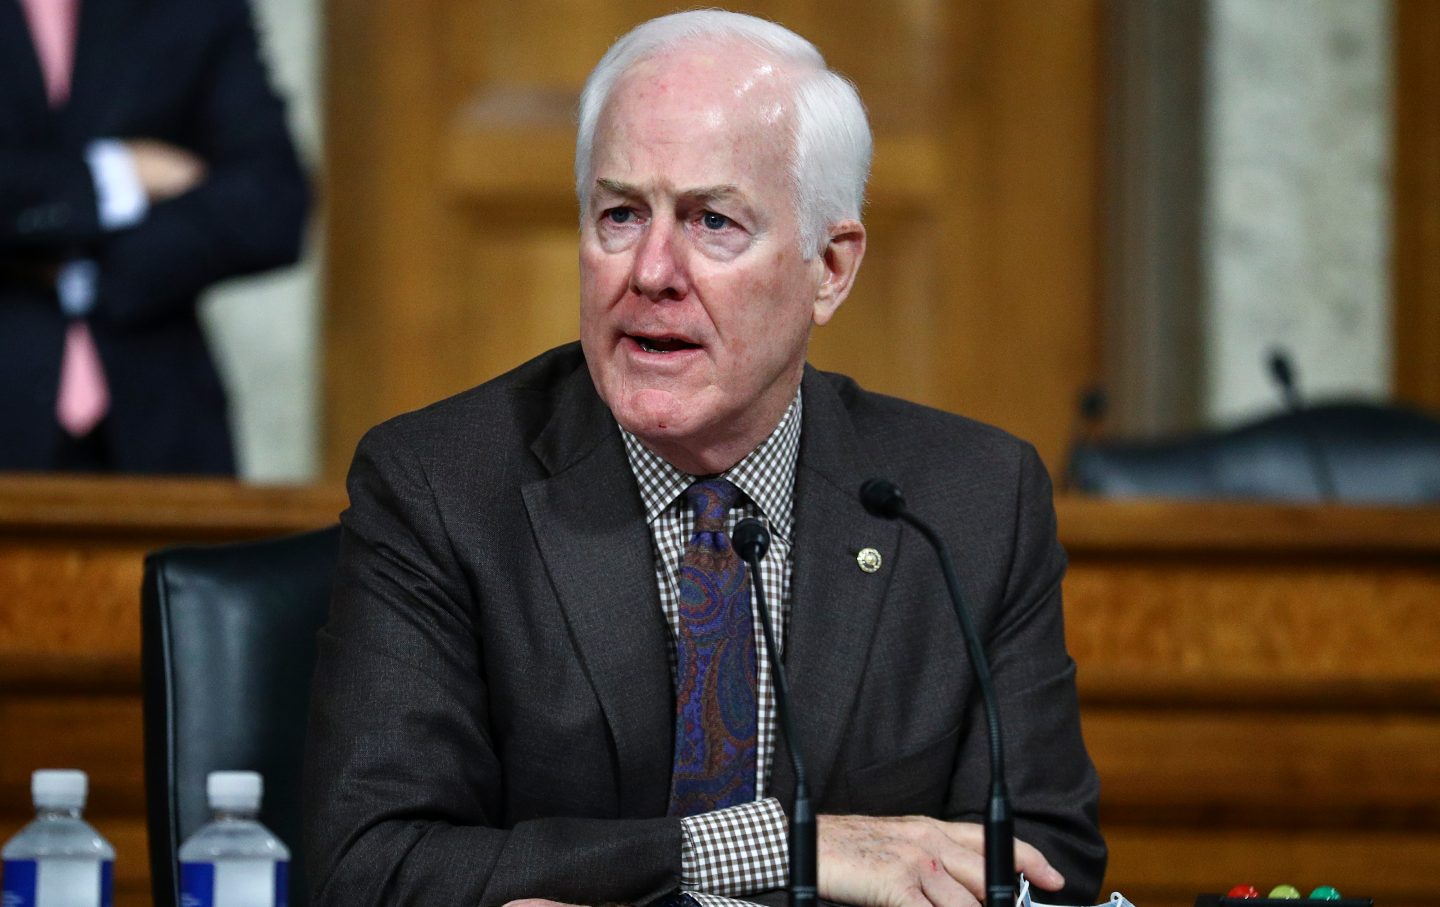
x: 705, y: 83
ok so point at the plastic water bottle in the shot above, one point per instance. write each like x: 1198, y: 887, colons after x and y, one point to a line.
x: 234, y: 861
x: 58, y: 860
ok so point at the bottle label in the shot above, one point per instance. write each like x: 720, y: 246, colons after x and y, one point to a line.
x: 234, y: 883
x: 58, y: 883
x: 19, y: 883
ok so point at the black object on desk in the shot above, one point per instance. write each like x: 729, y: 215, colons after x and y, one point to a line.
x: 227, y: 650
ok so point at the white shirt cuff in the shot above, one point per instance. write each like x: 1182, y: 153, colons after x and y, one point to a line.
x: 122, y: 198
x: 735, y: 851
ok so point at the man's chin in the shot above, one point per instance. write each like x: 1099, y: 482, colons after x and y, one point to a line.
x: 669, y: 431
x: 652, y: 412
x: 664, y: 427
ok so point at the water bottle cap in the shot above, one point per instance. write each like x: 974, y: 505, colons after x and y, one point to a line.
x: 59, y: 788
x: 234, y: 790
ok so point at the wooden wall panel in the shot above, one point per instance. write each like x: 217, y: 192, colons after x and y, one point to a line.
x: 452, y: 253
x: 1020, y: 321
x: 891, y: 347
x: 533, y: 282
x: 1416, y: 201
x: 1264, y: 766
x: 390, y: 255
x: 100, y: 732
x: 1271, y: 620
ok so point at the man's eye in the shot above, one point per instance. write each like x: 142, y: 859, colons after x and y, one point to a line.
x: 713, y: 221
x: 619, y: 215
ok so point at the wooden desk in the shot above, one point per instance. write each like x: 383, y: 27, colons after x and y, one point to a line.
x: 1261, y: 694
x: 1261, y: 685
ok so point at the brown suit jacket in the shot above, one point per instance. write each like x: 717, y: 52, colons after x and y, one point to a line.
x: 492, y: 713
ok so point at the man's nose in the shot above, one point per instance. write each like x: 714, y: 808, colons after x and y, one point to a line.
x: 659, y: 268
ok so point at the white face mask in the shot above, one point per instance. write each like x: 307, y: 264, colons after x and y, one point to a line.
x: 1023, y: 899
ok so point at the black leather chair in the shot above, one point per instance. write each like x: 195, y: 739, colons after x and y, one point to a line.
x: 1347, y: 452
x: 227, y: 648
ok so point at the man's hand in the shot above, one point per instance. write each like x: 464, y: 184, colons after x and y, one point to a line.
x: 913, y: 861
x: 165, y: 170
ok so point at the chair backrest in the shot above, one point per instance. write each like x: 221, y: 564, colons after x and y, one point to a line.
x: 227, y: 649
x: 1344, y: 452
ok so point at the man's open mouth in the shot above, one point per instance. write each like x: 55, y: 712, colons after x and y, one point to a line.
x: 663, y: 344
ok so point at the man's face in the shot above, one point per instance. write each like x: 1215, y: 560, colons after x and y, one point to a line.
x: 696, y: 302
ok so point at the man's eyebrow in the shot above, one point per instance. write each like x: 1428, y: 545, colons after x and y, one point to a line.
x: 713, y: 193
x: 701, y: 193
x: 615, y: 187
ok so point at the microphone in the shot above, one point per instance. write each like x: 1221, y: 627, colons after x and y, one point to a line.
x: 882, y: 498
x: 1094, y: 405
x: 1282, y: 371
x: 1085, y: 430
x: 751, y: 540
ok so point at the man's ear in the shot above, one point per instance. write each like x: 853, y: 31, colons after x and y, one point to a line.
x: 841, y: 259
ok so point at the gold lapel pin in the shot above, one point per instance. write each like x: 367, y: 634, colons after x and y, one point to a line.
x: 868, y: 559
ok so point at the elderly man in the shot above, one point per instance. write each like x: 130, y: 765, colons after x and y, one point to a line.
x: 543, y: 677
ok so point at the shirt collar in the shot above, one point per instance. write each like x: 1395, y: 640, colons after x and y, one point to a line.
x: 766, y: 475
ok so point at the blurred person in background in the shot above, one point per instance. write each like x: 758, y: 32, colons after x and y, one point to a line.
x: 143, y: 157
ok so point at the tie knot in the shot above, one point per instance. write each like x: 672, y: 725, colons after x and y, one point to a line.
x: 711, y: 499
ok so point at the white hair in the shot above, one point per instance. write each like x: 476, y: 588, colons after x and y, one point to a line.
x: 830, y: 154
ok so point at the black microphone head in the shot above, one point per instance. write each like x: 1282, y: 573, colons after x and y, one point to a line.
x: 1094, y: 404
x: 751, y: 539
x: 1281, y: 368
x: 882, y: 498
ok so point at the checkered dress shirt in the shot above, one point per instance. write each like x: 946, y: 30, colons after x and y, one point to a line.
x: 742, y: 849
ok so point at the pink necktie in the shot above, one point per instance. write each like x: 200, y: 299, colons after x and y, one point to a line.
x: 83, y: 398
x: 52, y: 28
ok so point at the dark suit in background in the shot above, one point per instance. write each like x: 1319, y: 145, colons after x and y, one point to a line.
x: 493, y: 711
x: 186, y: 72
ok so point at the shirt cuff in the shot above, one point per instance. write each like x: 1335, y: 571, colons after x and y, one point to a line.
x: 122, y: 199
x: 716, y: 900
x: 735, y: 851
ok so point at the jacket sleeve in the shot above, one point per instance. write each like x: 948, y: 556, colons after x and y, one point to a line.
x: 249, y: 213
x: 1053, y: 785
x: 247, y: 216
x: 47, y: 202
x: 406, y: 798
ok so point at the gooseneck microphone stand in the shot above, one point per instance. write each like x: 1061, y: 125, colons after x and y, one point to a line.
x: 882, y: 498
x: 752, y: 540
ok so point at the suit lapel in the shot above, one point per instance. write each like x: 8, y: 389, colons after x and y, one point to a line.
x: 590, y: 526
x: 101, y: 40
x: 23, y: 82
x: 834, y: 605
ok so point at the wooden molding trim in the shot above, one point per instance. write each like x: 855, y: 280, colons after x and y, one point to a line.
x: 1095, y: 525
x: 203, y: 509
